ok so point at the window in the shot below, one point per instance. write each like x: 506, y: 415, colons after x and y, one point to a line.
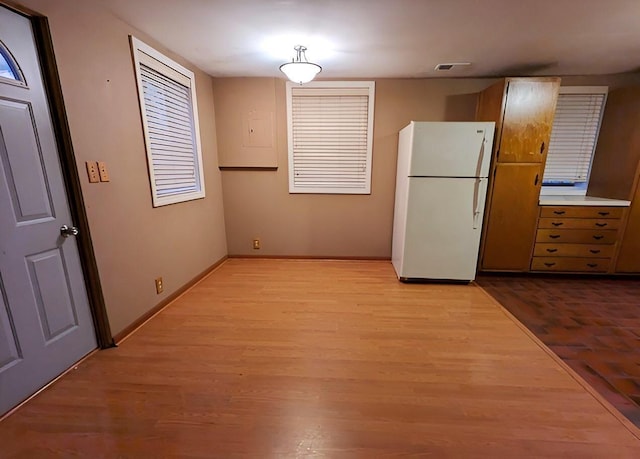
x: 573, y: 139
x: 167, y: 96
x: 8, y: 67
x: 330, y: 128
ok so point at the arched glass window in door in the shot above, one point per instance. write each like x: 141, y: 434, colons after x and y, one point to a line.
x: 9, y: 69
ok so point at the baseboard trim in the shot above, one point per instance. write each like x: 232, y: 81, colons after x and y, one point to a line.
x: 311, y: 257
x: 136, y: 325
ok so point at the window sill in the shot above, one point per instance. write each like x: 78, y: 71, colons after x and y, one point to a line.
x: 547, y: 190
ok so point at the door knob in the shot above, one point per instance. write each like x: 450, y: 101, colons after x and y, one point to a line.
x: 67, y: 231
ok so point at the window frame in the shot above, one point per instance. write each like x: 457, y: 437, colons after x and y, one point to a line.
x: 150, y: 57
x: 332, y: 85
x: 14, y: 68
x: 579, y: 189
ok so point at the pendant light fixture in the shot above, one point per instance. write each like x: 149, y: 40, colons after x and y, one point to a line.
x: 299, y: 70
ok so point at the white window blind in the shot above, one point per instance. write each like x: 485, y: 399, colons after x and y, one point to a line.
x: 167, y: 101
x: 574, y: 135
x: 330, y: 137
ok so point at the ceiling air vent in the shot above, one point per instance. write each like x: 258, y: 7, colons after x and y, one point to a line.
x: 448, y: 66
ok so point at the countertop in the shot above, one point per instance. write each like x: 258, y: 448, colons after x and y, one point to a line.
x: 573, y: 200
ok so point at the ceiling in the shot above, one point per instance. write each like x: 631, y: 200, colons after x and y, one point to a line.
x: 395, y: 38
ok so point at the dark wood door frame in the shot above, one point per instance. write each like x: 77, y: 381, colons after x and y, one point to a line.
x: 70, y: 174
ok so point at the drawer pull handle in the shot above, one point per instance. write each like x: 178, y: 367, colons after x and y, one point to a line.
x: 549, y: 265
x: 597, y: 238
x: 552, y: 250
x: 592, y: 265
x: 559, y: 212
x: 555, y: 236
x: 604, y: 214
x: 601, y: 225
x: 557, y: 223
x: 594, y: 251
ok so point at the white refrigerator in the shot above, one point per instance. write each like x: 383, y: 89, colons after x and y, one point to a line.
x: 441, y: 186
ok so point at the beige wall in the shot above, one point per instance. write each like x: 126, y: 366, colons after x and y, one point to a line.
x: 258, y: 204
x: 611, y: 81
x: 134, y: 243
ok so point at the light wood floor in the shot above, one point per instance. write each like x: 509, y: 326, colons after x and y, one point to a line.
x: 284, y: 358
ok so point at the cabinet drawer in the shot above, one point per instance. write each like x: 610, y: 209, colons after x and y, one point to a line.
x: 579, y: 223
x: 574, y: 264
x: 573, y: 250
x: 581, y: 211
x: 577, y: 236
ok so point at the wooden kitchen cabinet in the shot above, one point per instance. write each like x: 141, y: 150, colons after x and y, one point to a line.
x: 546, y: 249
x: 528, y: 118
x: 629, y: 256
x: 615, y: 172
x: 616, y: 162
x: 581, y: 212
x: 576, y: 238
x: 578, y: 223
x: 511, y: 225
x: 573, y: 265
x: 523, y: 109
x: 580, y: 236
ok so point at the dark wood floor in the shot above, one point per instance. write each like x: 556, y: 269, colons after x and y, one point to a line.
x: 331, y: 359
x: 593, y: 324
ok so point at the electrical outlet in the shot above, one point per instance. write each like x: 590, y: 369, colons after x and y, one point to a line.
x: 102, y: 170
x: 92, y: 172
x: 159, y: 285
x: 256, y: 244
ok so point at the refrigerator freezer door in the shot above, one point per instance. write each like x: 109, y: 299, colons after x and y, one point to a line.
x: 442, y: 233
x: 451, y: 149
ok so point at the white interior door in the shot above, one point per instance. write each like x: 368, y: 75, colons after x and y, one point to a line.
x: 45, y: 320
x: 444, y: 221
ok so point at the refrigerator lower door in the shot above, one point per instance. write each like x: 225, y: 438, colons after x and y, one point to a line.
x: 443, y: 225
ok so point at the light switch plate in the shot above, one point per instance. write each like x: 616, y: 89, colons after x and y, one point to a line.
x: 92, y: 172
x: 102, y: 170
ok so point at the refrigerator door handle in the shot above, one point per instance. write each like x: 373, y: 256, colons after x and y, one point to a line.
x: 481, y: 155
x: 476, y: 204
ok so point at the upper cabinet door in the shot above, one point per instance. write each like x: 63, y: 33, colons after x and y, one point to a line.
x: 527, y: 120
